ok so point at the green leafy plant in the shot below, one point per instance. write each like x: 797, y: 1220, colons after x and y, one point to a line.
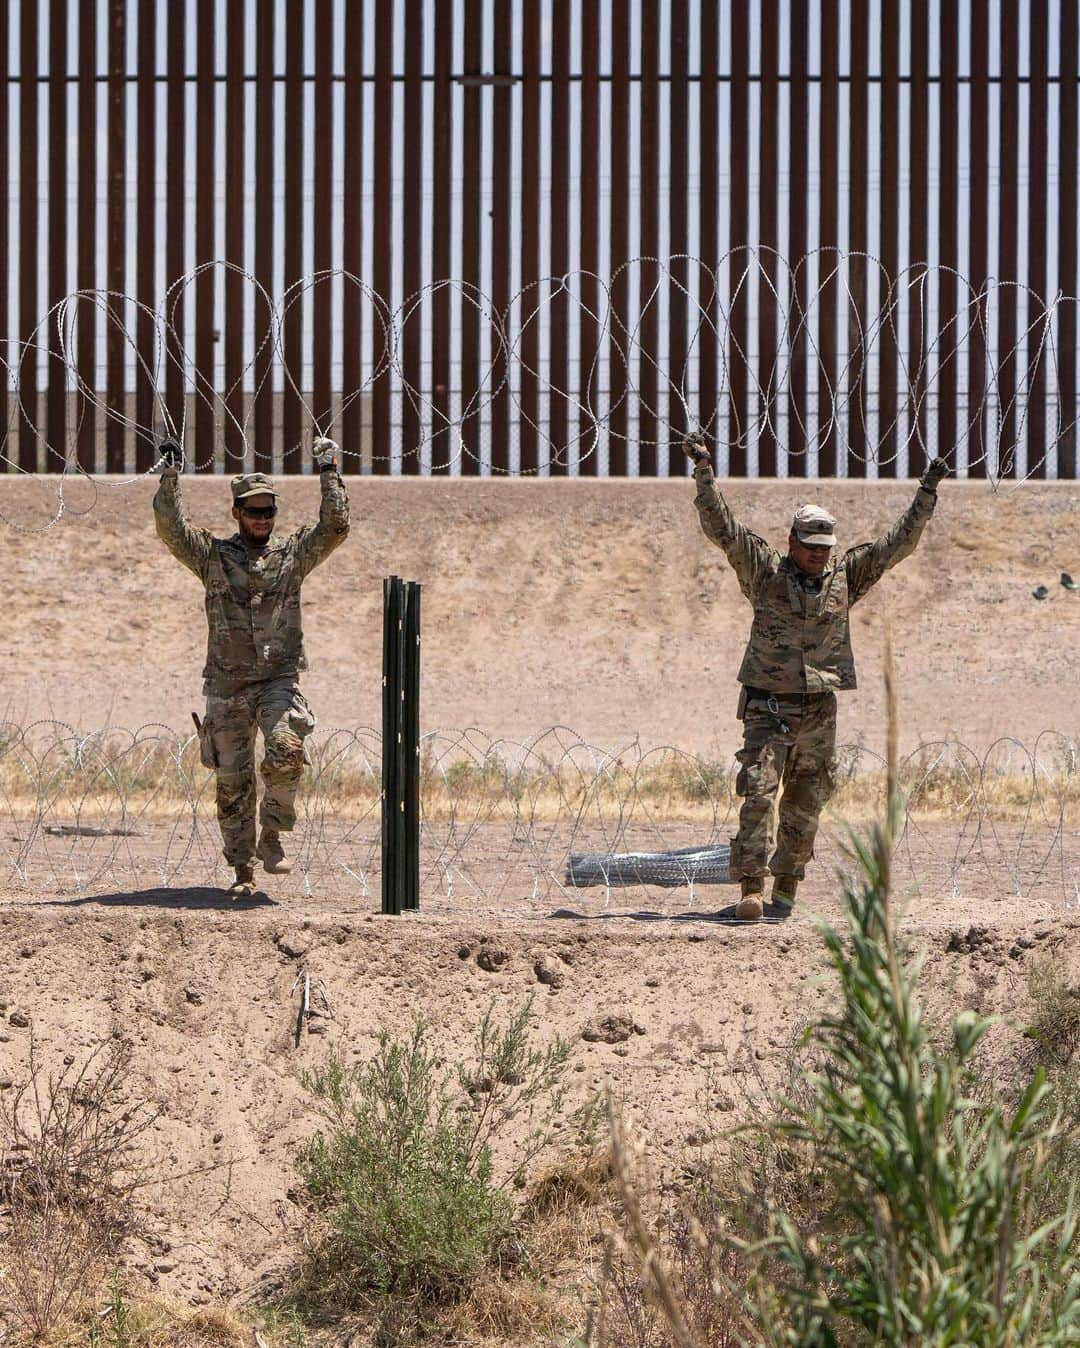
x: 935, y: 1188
x: 403, y: 1174
x: 113, y: 1328
x: 935, y: 1231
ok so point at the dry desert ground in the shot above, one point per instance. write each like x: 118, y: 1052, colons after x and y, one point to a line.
x: 597, y: 606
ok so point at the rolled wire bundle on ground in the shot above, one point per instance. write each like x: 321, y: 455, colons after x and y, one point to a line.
x: 671, y: 870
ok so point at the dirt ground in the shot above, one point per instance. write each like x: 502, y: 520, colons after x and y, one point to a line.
x: 209, y: 996
x: 207, y: 991
x: 598, y: 605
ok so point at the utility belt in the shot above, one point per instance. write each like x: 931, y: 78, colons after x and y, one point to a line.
x: 779, y: 705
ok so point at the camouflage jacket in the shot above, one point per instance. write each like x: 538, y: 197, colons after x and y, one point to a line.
x: 252, y: 593
x: 801, y: 638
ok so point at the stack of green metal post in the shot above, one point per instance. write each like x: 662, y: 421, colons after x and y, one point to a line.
x: 401, y: 746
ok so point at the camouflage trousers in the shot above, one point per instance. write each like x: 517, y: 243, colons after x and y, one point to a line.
x: 227, y: 744
x: 793, y: 746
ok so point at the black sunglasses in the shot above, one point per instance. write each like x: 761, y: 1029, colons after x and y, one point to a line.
x: 260, y: 512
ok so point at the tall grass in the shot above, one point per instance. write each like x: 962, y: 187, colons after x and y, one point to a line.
x: 935, y: 1229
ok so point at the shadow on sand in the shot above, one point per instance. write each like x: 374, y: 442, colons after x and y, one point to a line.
x: 200, y: 897
x: 724, y: 917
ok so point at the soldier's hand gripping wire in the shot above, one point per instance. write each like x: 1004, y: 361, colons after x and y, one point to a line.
x: 255, y: 648
x: 797, y: 659
x: 326, y: 452
x: 696, y: 450
x: 936, y: 471
x: 171, y: 457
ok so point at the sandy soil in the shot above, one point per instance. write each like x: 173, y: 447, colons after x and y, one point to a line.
x: 206, y: 990
x: 598, y: 605
x: 208, y: 996
x: 950, y: 871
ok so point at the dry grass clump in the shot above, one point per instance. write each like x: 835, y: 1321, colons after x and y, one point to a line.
x: 112, y: 777
x: 122, y: 1317
x: 499, y: 1309
x: 565, y: 1211
x: 1055, y: 1023
x: 957, y: 787
x: 68, y: 1178
x: 130, y: 1320
x: 534, y: 1293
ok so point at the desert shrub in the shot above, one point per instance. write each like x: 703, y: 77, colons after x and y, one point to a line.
x: 403, y: 1175
x: 466, y: 777
x: 703, y: 1272
x: 409, y: 1210
x: 67, y: 1183
x: 50, y: 1264
x: 1055, y: 1024
x: 68, y: 1139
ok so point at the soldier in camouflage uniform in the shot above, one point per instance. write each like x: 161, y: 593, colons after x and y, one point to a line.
x: 797, y: 659
x: 255, y: 649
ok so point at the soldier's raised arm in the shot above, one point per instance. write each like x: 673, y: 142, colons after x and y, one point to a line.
x: 867, y: 563
x: 318, y: 541
x: 749, y: 555
x: 186, y: 542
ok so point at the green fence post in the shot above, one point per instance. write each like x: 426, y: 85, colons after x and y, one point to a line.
x: 411, y: 748
x: 401, y: 746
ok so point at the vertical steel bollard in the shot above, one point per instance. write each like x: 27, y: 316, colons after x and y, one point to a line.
x: 401, y: 746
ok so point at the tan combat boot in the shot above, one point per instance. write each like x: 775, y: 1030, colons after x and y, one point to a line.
x: 271, y: 853
x: 783, y: 894
x: 750, y: 907
x: 245, y: 880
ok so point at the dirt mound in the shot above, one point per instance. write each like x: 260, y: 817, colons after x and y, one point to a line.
x: 594, y: 604
x: 679, y: 1018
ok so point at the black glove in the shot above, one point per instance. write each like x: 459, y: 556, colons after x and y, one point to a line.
x: 935, y: 471
x: 172, y: 455
x: 325, y: 452
x: 696, y: 450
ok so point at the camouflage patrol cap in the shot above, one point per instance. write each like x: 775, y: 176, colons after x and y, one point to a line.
x: 814, y: 527
x: 252, y: 484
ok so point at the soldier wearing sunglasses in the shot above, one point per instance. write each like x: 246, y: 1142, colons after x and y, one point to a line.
x: 255, y: 649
